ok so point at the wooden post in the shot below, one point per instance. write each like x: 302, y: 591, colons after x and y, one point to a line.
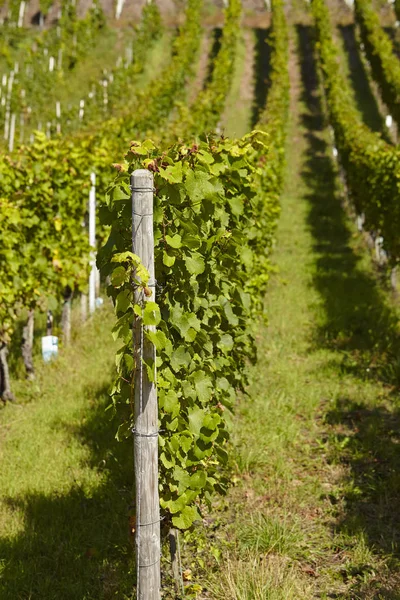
x: 49, y: 323
x: 148, y: 545
x: 27, y: 344
x: 5, y: 387
x: 175, y: 559
x: 66, y: 316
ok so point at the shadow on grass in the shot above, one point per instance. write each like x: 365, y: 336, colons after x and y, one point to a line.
x: 75, y: 544
x: 358, y: 320
x: 215, y: 48
x: 261, y: 72
x: 365, y: 100
x: 369, y: 441
x: 362, y: 328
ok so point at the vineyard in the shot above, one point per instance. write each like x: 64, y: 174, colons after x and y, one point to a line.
x: 199, y: 299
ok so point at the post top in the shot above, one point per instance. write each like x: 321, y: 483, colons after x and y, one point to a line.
x: 142, y: 175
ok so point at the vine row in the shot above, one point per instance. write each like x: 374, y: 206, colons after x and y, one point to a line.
x: 385, y: 65
x: 215, y: 206
x: 372, y: 166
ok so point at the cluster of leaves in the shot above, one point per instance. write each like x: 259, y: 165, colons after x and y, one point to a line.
x: 205, y: 213
x: 273, y: 118
x: 384, y: 63
x: 216, y: 204
x: 149, y: 29
x: 43, y: 196
x: 44, y: 189
x: 372, y: 166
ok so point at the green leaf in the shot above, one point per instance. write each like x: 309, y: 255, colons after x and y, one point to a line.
x: 126, y: 257
x: 226, y: 342
x: 171, y: 404
x: 175, y: 241
x: 151, y: 313
x: 118, y: 277
x: 186, y: 441
x: 160, y: 341
x: 168, y: 464
x: 180, y: 358
x: 195, y: 264
x: 203, y: 385
x: 186, y: 518
x: 230, y: 315
x: 122, y: 301
x: 173, y: 173
x: 198, y: 186
x: 198, y: 480
x: 196, y: 420
x: 168, y: 260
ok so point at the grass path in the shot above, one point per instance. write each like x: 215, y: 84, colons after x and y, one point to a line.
x: 313, y: 513
x: 65, y: 483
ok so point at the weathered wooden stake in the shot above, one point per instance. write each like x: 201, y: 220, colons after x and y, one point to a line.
x: 148, y: 545
x: 175, y: 557
x: 27, y: 344
x: 49, y: 323
x: 5, y: 387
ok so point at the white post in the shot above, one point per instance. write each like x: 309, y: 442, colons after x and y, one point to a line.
x: 119, y: 7
x: 105, y: 94
x: 146, y: 409
x: 21, y: 13
x: 92, y: 243
x: 81, y: 109
x: 58, y: 116
x: 8, y: 106
x: 12, y: 132
x: 7, y: 125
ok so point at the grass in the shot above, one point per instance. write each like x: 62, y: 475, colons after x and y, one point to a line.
x: 311, y: 513
x: 65, y: 483
x: 237, y: 116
